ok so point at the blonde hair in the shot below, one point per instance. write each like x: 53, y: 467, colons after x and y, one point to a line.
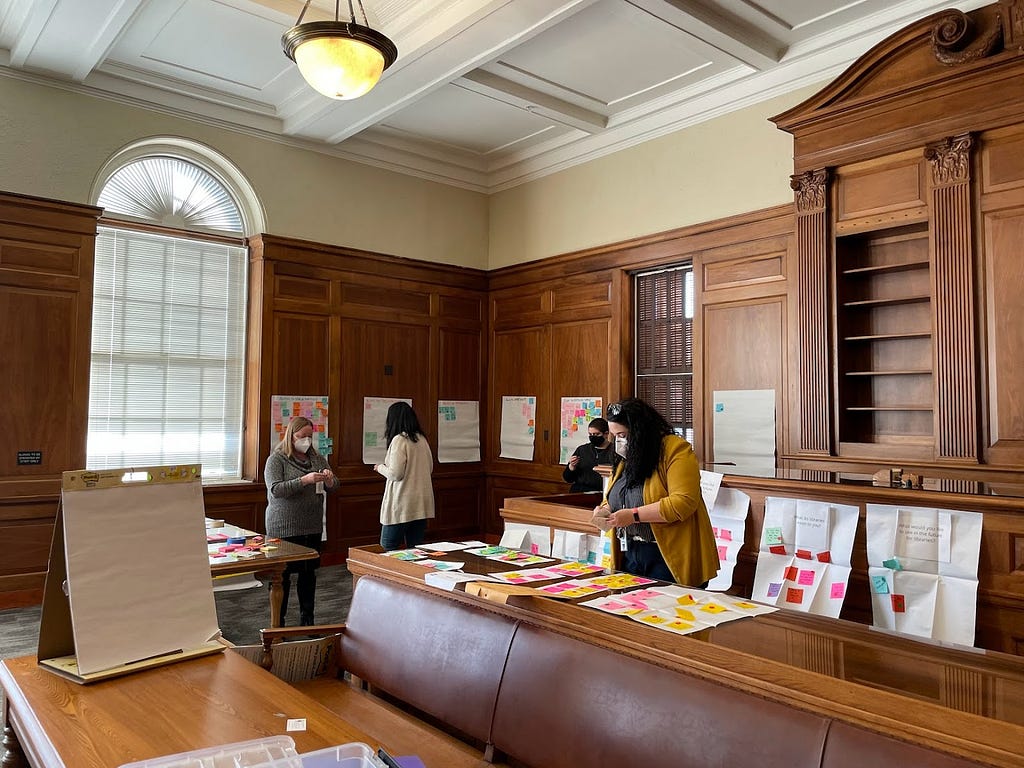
x: 286, y: 445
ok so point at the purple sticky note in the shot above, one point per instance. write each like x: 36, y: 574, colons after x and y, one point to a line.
x: 409, y: 761
x: 773, y: 589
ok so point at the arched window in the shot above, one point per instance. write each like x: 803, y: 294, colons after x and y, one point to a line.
x: 169, y: 297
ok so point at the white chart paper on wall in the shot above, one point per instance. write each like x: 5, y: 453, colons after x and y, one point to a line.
x: 458, y: 431
x: 923, y: 570
x: 375, y: 415
x: 744, y: 423
x: 518, y: 425
x: 803, y: 561
x: 576, y: 413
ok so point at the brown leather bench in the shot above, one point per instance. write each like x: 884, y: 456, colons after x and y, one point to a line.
x: 547, y: 700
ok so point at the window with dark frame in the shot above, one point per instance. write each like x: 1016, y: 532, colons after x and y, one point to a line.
x: 664, y: 344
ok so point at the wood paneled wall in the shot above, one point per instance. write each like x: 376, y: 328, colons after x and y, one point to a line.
x: 46, y: 266
x: 563, y: 327
x: 349, y: 324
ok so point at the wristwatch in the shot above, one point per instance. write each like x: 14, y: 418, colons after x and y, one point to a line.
x: 636, y: 515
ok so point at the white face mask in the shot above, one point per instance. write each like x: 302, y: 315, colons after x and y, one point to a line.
x: 302, y: 444
x: 620, y: 446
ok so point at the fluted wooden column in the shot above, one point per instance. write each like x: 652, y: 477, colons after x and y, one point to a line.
x: 814, y: 317
x: 956, y: 422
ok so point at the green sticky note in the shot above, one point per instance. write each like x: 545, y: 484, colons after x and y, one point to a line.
x: 893, y: 563
x: 773, y: 535
x: 880, y: 584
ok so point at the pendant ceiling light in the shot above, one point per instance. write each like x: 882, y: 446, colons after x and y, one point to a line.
x: 340, y: 59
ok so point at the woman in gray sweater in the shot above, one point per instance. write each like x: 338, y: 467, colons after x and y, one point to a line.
x: 297, y: 477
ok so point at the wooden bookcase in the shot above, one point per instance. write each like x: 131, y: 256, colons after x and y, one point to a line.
x: 884, y: 348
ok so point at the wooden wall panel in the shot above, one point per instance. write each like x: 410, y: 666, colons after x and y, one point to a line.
x: 583, y: 364
x: 881, y: 193
x: 1004, y: 320
x: 380, y: 327
x: 744, y: 347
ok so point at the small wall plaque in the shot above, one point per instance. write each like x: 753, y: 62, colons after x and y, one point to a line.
x: 30, y: 457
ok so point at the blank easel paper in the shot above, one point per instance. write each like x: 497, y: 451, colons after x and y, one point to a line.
x: 458, y: 431
x: 137, y: 573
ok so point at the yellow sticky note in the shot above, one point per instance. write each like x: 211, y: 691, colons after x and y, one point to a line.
x: 686, y: 600
x: 713, y: 608
x: 679, y: 625
x: 745, y: 606
x: 682, y: 613
x: 654, y: 619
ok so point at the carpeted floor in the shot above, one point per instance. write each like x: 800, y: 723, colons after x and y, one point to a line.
x: 240, y: 613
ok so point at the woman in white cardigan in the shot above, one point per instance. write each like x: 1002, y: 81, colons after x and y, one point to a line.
x: 408, y: 494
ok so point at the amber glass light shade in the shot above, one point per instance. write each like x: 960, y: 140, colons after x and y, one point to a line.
x: 340, y: 60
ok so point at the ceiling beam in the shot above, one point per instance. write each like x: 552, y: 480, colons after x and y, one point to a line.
x: 744, y: 43
x: 496, y: 87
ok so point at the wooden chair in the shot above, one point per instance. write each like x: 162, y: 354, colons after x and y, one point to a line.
x: 313, y: 656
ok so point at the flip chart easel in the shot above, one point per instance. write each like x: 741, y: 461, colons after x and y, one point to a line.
x: 128, y: 585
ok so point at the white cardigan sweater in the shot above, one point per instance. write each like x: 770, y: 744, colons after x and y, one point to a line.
x: 409, y: 493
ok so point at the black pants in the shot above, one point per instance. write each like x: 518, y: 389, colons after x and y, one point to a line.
x: 306, y: 587
x: 643, y: 558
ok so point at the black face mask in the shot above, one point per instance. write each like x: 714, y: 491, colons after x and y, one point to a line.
x: 596, y: 440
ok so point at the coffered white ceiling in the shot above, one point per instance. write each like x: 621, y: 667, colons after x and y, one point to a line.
x: 486, y: 94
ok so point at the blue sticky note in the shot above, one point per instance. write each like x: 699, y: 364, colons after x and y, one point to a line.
x: 719, y: 407
x: 880, y: 584
x: 893, y: 563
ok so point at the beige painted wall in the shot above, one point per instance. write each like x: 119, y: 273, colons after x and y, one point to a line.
x: 733, y: 164
x: 53, y: 143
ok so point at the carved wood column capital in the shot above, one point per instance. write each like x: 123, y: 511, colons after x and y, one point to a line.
x: 810, y: 189
x: 950, y: 159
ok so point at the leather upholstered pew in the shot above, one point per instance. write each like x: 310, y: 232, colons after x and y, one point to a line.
x: 545, y: 699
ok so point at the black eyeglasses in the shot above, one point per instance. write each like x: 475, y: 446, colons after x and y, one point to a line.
x: 614, y: 409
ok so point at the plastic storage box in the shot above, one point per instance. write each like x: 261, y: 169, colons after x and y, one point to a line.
x: 278, y: 751
x: 354, y: 755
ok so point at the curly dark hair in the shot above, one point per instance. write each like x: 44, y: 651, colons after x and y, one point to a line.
x: 402, y: 418
x: 646, y: 429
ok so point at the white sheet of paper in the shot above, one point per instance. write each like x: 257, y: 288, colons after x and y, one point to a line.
x: 537, y: 541
x: 458, y: 431
x: 570, y: 545
x: 518, y: 424
x: 138, y: 572
x: 769, y: 577
x: 375, y: 414
x: 813, y: 526
x: 710, y: 482
x: 955, y: 610
x: 744, y: 424
x: 947, y: 586
x: 729, y: 519
x: 828, y: 599
x: 449, y: 580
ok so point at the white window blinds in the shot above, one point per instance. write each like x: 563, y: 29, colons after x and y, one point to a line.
x: 168, y: 353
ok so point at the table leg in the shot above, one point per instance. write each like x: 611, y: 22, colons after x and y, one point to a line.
x: 13, y: 757
x: 276, y: 579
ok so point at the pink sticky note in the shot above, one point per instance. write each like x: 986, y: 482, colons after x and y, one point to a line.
x: 534, y: 549
x: 722, y: 550
x: 725, y: 534
x: 806, y: 578
x: 838, y: 590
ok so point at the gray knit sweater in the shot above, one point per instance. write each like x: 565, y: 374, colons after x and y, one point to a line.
x: 293, y: 509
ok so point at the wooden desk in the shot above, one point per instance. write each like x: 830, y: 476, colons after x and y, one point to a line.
x: 55, y: 723
x: 970, y: 702
x: 270, y: 567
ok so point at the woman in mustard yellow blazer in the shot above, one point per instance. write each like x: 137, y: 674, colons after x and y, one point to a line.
x: 653, y: 504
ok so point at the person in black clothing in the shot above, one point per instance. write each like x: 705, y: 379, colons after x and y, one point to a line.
x: 599, y: 450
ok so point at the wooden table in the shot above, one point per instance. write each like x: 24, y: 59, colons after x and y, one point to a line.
x: 51, y: 722
x: 270, y: 567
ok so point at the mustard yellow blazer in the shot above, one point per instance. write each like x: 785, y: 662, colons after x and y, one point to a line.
x: 686, y: 539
